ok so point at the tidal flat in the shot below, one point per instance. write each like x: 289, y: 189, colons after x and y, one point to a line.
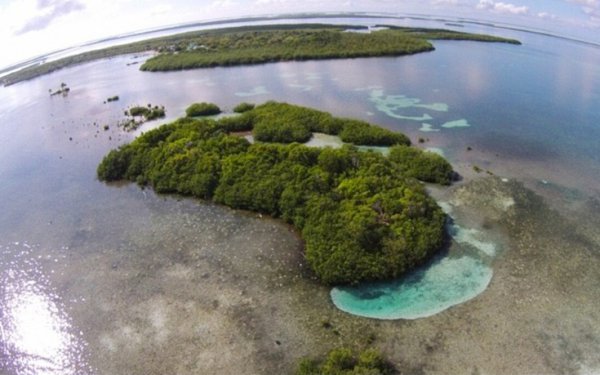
x: 175, y: 292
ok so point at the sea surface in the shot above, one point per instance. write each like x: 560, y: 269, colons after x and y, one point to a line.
x: 528, y: 113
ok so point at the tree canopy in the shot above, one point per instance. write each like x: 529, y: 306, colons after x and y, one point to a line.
x: 202, y: 109
x: 363, y: 216
x: 255, y: 47
x: 343, y: 361
x: 299, y: 42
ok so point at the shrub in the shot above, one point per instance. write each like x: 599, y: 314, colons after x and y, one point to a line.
x: 362, y: 133
x: 236, y: 123
x: 154, y: 113
x: 138, y: 111
x: 202, y: 109
x: 243, y: 107
x: 343, y: 361
x: 422, y: 165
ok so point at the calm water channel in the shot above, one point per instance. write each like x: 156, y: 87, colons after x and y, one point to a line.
x: 81, y: 260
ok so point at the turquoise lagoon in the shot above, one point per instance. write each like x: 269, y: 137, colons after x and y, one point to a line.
x: 443, y: 283
x: 451, y: 278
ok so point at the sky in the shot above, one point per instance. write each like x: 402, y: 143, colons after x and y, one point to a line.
x: 29, y: 28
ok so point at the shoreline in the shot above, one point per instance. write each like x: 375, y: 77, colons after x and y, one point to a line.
x: 167, y: 42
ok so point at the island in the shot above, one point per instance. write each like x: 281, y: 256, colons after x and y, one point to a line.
x: 245, y: 47
x: 263, y: 44
x: 363, y: 216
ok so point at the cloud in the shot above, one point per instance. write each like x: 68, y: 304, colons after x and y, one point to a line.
x: 586, y: 3
x: 546, y: 16
x: 48, y: 11
x: 591, y: 8
x: 500, y: 7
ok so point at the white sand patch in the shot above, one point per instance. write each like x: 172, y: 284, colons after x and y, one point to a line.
x: 324, y: 140
x: 446, y: 207
x: 392, y: 105
x: 462, y: 123
x: 428, y: 128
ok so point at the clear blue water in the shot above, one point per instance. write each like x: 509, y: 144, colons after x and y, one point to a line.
x: 452, y: 278
x: 532, y: 113
x: 439, y: 285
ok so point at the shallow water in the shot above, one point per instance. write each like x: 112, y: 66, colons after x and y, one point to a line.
x: 459, y: 274
x: 444, y: 283
x: 107, y: 267
x: 37, y: 332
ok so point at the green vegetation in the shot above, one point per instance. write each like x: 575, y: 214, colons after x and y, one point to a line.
x: 363, y: 216
x: 243, y: 48
x: 202, y: 109
x: 263, y: 43
x: 138, y: 111
x: 243, y: 107
x: 422, y: 165
x: 284, y: 123
x: 155, y: 112
x: 361, y: 133
x: 343, y: 361
x: 113, y: 98
x: 140, y: 114
x: 443, y: 34
x: 149, y: 113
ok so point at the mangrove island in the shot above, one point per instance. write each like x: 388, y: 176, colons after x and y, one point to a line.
x: 363, y: 216
x: 301, y: 42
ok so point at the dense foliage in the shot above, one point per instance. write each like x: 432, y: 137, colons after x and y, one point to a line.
x: 242, y: 48
x: 363, y: 216
x: 202, y: 109
x: 422, y: 165
x: 343, y: 361
x: 281, y: 122
x: 243, y: 107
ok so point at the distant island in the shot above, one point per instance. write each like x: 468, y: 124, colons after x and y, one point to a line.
x: 266, y: 43
x: 363, y: 216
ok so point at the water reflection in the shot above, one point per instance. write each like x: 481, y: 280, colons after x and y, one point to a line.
x: 36, y: 332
